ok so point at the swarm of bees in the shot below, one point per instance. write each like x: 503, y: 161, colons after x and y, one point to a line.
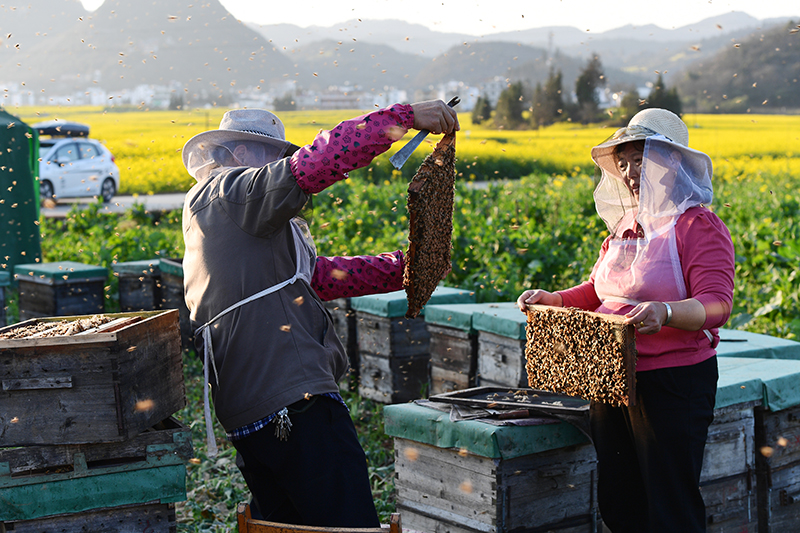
x: 574, y: 352
x: 430, y: 221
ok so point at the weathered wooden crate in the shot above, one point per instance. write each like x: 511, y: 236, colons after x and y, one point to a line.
x: 470, y: 477
x: 778, y: 469
x: 60, y: 289
x: 5, y: 280
x: 147, y: 518
x: 731, y: 504
x: 778, y: 446
x: 501, y: 346
x: 453, y: 346
x: 56, y: 480
x: 172, y: 297
x: 727, y: 481
x: 90, y: 388
x: 394, y: 351
x: 582, y: 354
x: 344, y: 321
x: 139, y: 285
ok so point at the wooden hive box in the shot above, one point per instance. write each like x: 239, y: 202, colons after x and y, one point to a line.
x: 453, y: 346
x: 777, y: 422
x: 728, y: 478
x: 777, y: 442
x: 66, y: 288
x: 150, y: 518
x: 501, y: 345
x: 474, y: 477
x: 583, y: 354
x: 5, y: 281
x: 45, y: 481
x: 94, y: 387
x: 344, y: 321
x: 394, y: 351
x: 139, y: 285
x: 172, y: 297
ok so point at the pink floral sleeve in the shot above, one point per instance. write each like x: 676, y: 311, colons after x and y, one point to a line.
x: 340, y: 277
x: 350, y: 145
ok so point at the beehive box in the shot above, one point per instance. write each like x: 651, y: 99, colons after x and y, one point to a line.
x: 501, y: 346
x: 453, y: 346
x: 728, y: 478
x: 777, y: 441
x: 394, y: 351
x: 344, y: 321
x: 139, y: 285
x: 149, y: 518
x: 66, y: 288
x: 65, y: 479
x: 583, y: 354
x: 172, y: 297
x: 92, y: 387
x: 470, y: 476
x: 5, y: 278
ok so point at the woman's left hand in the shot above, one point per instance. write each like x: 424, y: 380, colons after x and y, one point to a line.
x: 647, y: 317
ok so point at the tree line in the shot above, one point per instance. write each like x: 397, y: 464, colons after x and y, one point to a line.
x: 520, y: 106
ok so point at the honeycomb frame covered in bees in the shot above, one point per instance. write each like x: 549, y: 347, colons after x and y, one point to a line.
x: 580, y: 353
x: 430, y: 200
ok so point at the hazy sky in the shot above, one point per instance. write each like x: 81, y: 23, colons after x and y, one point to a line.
x: 485, y: 17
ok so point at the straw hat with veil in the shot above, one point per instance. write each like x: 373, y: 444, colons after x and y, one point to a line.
x: 261, y: 131
x: 674, y: 177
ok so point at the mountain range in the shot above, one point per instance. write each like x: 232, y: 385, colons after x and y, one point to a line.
x: 57, y: 46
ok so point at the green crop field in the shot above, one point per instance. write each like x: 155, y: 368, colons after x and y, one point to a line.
x: 532, y: 225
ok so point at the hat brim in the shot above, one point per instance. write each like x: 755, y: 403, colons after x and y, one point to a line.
x: 603, y: 153
x: 220, y: 137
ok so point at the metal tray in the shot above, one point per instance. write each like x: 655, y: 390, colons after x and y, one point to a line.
x: 568, y: 409
x: 509, y: 398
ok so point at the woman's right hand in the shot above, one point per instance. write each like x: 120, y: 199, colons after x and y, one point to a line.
x: 435, y: 116
x: 539, y: 296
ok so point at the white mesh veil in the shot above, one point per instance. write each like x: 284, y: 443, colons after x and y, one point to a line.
x: 673, y: 179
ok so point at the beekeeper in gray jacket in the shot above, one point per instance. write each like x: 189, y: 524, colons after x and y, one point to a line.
x: 254, y: 284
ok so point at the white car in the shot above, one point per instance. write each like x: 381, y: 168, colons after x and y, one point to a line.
x: 72, y: 165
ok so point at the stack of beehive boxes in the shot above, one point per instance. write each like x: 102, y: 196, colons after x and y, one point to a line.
x: 394, y: 351
x: 87, y: 437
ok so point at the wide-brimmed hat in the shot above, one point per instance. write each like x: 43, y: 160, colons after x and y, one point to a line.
x: 257, y: 125
x: 647, y: 123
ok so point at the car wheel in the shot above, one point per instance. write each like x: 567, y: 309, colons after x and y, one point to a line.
x: 109, y: 190
x: 46, y: 190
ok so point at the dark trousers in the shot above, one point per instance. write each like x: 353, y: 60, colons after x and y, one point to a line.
x: 650, y: 455
x: 318, y: 477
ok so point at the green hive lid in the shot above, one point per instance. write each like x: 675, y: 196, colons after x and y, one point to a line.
x: 736, y: 384
x: 5, y: 279
x: 429, y: 426
x: 61, y: 271
x: 505, y: 320
x: 394, y: 304
x: 778, y: 379
x: 458, y: 316
x: 171, y: 266
x: 735, y: 343
x: 138, y: 268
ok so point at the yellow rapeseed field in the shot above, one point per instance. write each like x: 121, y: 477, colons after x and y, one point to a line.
x: 147, y: 144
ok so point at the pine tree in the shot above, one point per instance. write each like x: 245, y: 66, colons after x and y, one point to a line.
x: 482, y: 110
x: 508, y: 113
x: 666, y: 99
x: 548, y: 101
x: 589, y: 80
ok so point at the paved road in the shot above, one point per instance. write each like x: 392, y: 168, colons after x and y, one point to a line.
x: 119, y: 204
